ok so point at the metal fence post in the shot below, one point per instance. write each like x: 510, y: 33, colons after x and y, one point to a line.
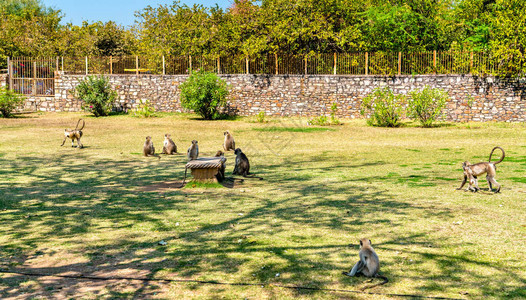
x: 10, y: 72
x: 399, y: 63
x: 335, y: 63
x: 276, y: 59
x: 471, y: 62
x: 136, y: 65
x: 164, y: 67
x: 366, y: 63
x: 434, y: 61
x: 34, y: 78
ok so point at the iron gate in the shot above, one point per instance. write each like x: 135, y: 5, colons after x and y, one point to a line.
x: 33, y: 76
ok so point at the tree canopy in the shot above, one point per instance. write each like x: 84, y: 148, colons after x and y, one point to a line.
x: 249, y: 27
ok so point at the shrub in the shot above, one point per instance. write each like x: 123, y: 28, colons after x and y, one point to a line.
x: 334, y: 110
x: 204, y: 93
x: 426, y: 105
x: 9, y: 100
x: 319, y: 121
x: 383, y: 107
x: 97, y: 95
x: 324, y: 120
x: 260, y: 117
x: 145, y: 109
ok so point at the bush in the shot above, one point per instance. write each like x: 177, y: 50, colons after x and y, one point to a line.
x: 383, y: 108
x: 204, y: 93
x: 319, y: 121
x: 9, y: 100
x: 426, y: 105
x: 334, y: 110
x: 324, y: 120
x: 97, y: 95
x: 260, y: 117
x: 145, y: 109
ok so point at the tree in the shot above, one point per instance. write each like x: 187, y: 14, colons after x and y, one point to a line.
x: 204, y: 93
x: 27, y: 28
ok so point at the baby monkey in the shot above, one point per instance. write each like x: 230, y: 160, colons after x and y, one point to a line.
x: 489, y: 168
x: 74, y: 134
x: 368, y: 265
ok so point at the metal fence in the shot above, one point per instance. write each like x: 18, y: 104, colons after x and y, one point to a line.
x: 374, y: 63
x: 35, y: 76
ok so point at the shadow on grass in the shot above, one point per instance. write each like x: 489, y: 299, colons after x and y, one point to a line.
x: 73, y: 201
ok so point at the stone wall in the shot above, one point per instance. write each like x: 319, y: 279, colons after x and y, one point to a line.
x: 3, y: 80
x: 472, y: 98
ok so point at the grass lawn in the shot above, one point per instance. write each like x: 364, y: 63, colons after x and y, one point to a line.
x: 101, y: 210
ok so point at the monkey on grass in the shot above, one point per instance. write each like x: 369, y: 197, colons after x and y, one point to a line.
x: 229, y: 143
x: 242, y: 166
x: 148, y: 149
x: 472, y: 171
x: 368, y: 265
x: 74, y: 134
x: 169, y: 146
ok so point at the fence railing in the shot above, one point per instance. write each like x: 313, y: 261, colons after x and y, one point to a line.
x: 374, y: 63
x: 32, y: 76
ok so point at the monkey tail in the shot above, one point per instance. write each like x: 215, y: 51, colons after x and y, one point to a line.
x: 378, y: 284
x: 83, y: 123
x: 250, y: 175
x: 184, y: 178
x: 501, y: 158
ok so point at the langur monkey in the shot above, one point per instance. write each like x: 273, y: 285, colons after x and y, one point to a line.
x: 368, y: 265
x: 74, y: 134
x: 242, y: 166
x: 229, y: 143
x: 148, y: 149
x: 169, y: 146
x: 471, y: 172
x: 220, y: 153
x: 193, y: 151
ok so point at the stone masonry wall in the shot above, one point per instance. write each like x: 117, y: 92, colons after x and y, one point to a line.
x: 471, y: 98
x: 3, y: 80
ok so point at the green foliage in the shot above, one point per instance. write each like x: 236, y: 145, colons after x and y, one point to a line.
x: 292, y: 129
x: 9, y: 100
x: 97, y: 95
x: 260, y: 117
x: 319, y: 121
x: 204, y: 93
x: 426, y: 105
x: 334, y: 110
x: 145, y: 109
x: 256, y: 28
x: 324, y: 120
x: 383, y: 108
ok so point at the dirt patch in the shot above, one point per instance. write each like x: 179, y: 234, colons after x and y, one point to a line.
x: 173, y: 185
x: 165, y: 186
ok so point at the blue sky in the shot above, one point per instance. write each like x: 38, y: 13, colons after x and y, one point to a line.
x: 120, y: 11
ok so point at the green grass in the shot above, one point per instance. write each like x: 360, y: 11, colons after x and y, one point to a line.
x: 102, y: 210
x: 292, y: 129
